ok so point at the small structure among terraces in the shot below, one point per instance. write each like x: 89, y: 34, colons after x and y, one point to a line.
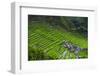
x: 72, y: 48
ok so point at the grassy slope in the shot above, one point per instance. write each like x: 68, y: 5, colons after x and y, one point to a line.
x: 46, y: 39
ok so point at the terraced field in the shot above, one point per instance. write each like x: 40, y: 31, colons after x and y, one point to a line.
x: 44, y: 42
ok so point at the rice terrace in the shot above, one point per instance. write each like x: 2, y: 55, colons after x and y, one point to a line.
x: 57, y: 37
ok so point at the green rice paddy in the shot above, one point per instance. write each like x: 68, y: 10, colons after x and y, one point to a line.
x: 44, y: 42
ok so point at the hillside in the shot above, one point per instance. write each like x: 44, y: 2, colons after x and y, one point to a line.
x: 44, y: 42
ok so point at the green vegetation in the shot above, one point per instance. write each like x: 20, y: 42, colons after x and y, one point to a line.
x: 46, y: 33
